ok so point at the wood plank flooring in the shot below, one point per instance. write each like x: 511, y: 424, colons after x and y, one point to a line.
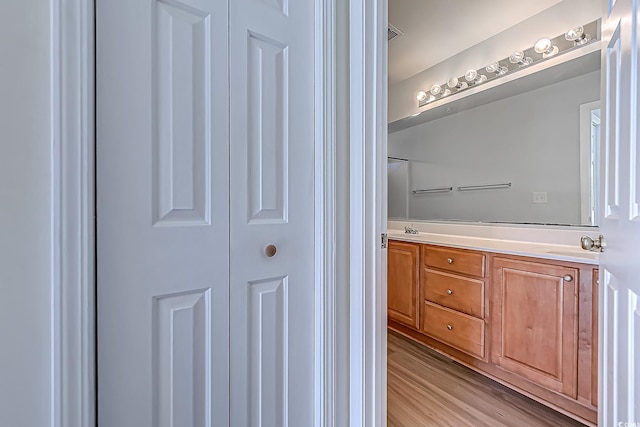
x: 426, y: 389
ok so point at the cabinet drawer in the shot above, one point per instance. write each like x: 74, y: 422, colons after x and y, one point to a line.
x: 466, y: 333
x: 456, y: 292
x: 457, y: 261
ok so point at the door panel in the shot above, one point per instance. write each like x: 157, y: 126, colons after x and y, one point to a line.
x: 162, y: 213
x: 612, y: 151
x: 268, y: 346
x: 619, y: 268
x: 272, y: 134
x: 181, y: 369
x: 182, y: 115
x: 267, y: 132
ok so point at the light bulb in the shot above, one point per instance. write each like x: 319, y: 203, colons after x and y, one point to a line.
x: 470, y: 75
x: 454, y: 83
x: 422, y: 95
x: 574, y: 34
x: 518, y: 57
x: 545, y: 47
x: 577, y: 36
x: 446, y: 92
x: 435, y: 90
x: 495, y: 67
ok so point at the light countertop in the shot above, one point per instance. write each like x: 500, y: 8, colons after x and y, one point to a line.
x: 512, y: 247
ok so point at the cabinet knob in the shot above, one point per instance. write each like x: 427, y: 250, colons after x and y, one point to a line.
x: 449, y: 291
x: 449, y: 327
x: 568, y: 278
x: 450, y: 260
x: 270, y: 250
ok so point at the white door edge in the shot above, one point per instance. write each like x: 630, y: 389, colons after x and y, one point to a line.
x: 72, y: 191
x: 367, y: 184
x: 325, y: 219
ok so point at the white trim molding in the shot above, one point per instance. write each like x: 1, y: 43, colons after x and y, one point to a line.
x: 325, y: 216
x: 367, y: 142
x: 73, y: 251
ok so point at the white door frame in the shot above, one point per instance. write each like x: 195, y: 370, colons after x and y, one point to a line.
x: 362, y: 352
x: 73, y: 266
x: 368, y: 186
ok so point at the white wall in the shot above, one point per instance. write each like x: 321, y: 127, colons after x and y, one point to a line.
x: 531, y: 140
x: 549, y: 23
x: 25, y: 214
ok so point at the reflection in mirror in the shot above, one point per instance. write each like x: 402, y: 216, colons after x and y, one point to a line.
x: 398, y: 188
x: 531, y: 140
x: 530, y: 155
x: 589, y: 162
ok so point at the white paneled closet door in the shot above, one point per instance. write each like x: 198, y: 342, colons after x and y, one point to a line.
x: 272, y: 205
x: 619, y: 392
x: 205, y: 214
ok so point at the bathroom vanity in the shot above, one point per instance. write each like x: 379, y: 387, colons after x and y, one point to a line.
x: 520, y: 312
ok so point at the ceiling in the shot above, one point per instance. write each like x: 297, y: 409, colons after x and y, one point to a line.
x: 435, y: 30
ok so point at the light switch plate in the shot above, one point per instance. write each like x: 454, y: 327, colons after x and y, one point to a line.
x: 539, y: 197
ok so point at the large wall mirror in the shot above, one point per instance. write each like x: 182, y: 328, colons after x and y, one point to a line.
x: 522, y: 151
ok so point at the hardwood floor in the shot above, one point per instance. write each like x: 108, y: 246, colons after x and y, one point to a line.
x: 426, y: 389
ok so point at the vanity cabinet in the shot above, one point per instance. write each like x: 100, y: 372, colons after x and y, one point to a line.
x: 534, y: 322
x: 403, y: 282
x: 529, y: 323
x: 452, y: 290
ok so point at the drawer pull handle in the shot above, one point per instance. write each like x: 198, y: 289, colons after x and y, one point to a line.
x: 568, y: 278
x: 449, y: 327
x: 450, y: 260
x: 449, y: 291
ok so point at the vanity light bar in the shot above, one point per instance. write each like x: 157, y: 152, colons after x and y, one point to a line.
x: 543, y: 49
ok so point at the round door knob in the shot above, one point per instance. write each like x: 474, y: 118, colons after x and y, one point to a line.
x: 449, y: 291
x: 449, y: 327
x: 587, y: 243
x: 568, y: 278
x: 270, y: 250
x: 450, y: 260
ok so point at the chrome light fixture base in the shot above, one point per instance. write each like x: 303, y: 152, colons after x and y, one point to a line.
x: 541, y: 50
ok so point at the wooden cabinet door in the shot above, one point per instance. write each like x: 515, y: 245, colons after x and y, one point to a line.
x: 534, y: 322
x: 403, y: 283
